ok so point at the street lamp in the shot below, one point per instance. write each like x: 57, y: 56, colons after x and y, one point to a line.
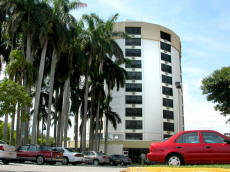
x: 178, y: 86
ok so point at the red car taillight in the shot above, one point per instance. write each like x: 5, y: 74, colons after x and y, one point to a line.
x: 1, y: 148
x: 104, y: 157
x: 78, y: 155
x: 152, y: 149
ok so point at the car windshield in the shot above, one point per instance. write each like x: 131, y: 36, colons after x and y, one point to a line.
x: 46, y: 148
x: 99, y: 153
x: 2, y: 142
x: 69, y: 150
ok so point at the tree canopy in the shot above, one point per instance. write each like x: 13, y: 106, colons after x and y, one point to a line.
x: 217, y: 88
x: 10, y: 94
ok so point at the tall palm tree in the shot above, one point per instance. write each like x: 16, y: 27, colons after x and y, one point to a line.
x: 61, y: 10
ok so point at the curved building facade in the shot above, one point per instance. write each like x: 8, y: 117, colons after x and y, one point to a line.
x: 151, y: 104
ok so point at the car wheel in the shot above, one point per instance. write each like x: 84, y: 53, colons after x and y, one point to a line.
x: 122, y: 163
x: 5, y: 161
x: 95, y: 162
x: 111, y: 163
x: 174, y: 160
x: 40, y: 160
x: 21, y: 161
x: 65, y: 161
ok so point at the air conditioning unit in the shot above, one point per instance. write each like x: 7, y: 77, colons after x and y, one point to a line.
x: 133, y: 93
x: 133, y: 69
x: 133, y: 105
x: 133, y: 117
x: 133, y: 80
x: 133, y: 46
x: 134, y: 130
x: 133, y: 58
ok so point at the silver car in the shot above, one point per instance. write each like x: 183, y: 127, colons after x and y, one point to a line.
x: 95, y: 158
x: 7, y: 152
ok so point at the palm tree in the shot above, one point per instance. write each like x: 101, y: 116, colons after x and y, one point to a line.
x: 61, y: 9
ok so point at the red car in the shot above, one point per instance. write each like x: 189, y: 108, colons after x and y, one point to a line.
x: 192, y: 147
x: 39, y: 154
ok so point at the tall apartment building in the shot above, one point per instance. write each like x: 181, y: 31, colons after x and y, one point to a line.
x: 151, y: 104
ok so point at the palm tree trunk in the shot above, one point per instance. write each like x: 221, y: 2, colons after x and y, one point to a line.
x: 55, y: 118
x: 107, y: 120
x: 12, y: 130
x: 97, y: 125
x: 91, y: 128
x: 66, y: 114
x: 29, y: 59
x: 37, y: 133
x: 85, y: 112
x: 52, y: 72
x: 5, y: 131
x: 106, y: 135
x: 99, y: 140
x: 64, y: 110
x: 76, y: 130
x: 38, y: 92
x: 18, y: 126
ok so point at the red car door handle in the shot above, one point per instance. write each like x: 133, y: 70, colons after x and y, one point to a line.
x: 179, y: 147
x: 208, y: 147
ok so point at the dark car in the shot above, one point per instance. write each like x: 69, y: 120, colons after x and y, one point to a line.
x: 192, y: 147
x: 119, y: 160
x: 39, y: 154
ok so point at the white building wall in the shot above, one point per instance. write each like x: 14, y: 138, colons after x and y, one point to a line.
x: 151, y: 91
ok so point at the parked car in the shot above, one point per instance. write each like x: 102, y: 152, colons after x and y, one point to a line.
x: 39, y: 154
x: 7, y: 152
x: 69, y: 156
x: 95, y: 158
x: 192, y: 147
x: 119, y: 159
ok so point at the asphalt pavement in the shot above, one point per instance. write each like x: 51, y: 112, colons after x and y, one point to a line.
x: 17, y: 167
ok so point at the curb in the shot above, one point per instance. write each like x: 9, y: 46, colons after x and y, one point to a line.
x: 173, y: 169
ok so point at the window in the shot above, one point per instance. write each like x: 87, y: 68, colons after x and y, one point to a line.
x: 134, y: 64
x: 189, y: 138
x: 210, y: 137
x: 167, y: 102
x: 167, y: 91
x: 133, y: 136
x: 133, y: 30
x: 23, y: 148
x: 32, y: 148
x: 166, y: 68
x: 166, y: 136
x: 131, y: 124
x: 133, y: 112
x: 133, y: 99
x: 166, y: 57
x: 165, y: 47
x: 165, y: 36
x: 167, y: 114
x: 168, y: 126
x: 134, y: 76
x: 133, y: 52
x: 167, y: 79
x: 45, y: 148
x: 133, y: 87
x: 133, y: 41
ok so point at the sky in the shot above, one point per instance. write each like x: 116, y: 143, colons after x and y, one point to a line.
x: 204, y: 29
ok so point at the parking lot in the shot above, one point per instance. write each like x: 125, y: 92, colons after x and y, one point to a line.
x: 30, y: 167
